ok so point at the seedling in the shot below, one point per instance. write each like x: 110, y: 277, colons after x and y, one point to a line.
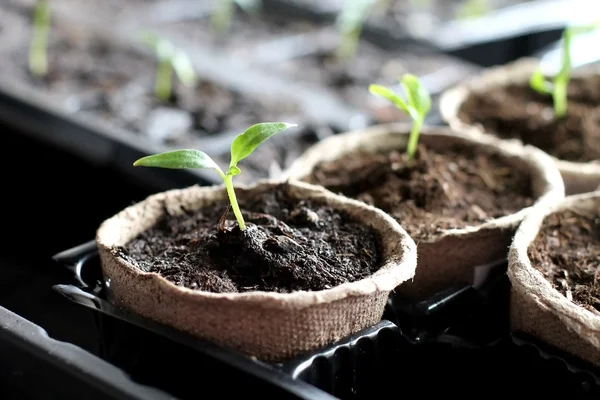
x: 473, y: 9
x: 417, y: 105
x: 350, y: 22
x: 557, y: 87
x: 241, y: 147
x: 38, y: 48
x: 169, y: 59
x: 224, y: 9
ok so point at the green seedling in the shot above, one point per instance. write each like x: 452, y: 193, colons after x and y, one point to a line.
x: 557, y: 87
x: 38, y: 48
x: 417, y: 105
x: 169, y: 59
x: 473, y: 9
x: 350, y: 22
x: 241, y: 147
x: 224, y: 9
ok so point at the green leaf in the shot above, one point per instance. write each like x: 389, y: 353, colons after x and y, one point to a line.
x: 539, y: 83
x: 388, y: 94
x: 178, y: 159
x: 418, y: 96
x: 245, y: 143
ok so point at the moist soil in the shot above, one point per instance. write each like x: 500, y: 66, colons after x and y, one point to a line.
x: 567, y: 252
x: 435, y: 192
x: 350, y: 78
x: 94, y: 77
x: 288, y: 245
x: 517, y: 111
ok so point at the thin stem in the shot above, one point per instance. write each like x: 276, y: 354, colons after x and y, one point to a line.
x: 164, y: 77
x: 233, y: 200
x: 221, y: 17
x: 38, y: 60
x: 413, y: 140
x: 559, y: 96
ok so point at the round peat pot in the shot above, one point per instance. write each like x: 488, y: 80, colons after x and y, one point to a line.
x: 553, y: 269
x: 269, y: 325
x: 461, y: 198
x: 500, y: 103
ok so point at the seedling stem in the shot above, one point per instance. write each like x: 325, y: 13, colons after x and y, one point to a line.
x: 38, y: 58
x: 417, y: 105
x: 241, y: 147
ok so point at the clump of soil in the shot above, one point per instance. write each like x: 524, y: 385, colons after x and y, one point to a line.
x: 517, y: 111
x: 436, y: 192
x: 567, y: 252
x: 288, y: 245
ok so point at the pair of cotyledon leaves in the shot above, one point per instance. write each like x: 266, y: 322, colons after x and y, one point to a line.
x: 243, y: 145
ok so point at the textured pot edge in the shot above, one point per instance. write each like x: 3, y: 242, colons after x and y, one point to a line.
x: 552, y: 182
x: 518, y: 71
x: 533, y: 284
x: 399, y: 267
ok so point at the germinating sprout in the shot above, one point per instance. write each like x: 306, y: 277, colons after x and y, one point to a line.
x: 224, y: 9
x: 169, y: 59
x: 38, y: 58
x: 557, y: 87
x: 241, y: 147
x: 350, y: 22
x: 473, y: 9
x: 417, y: 105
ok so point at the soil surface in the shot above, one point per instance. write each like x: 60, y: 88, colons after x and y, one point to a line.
x: 93, y: 77
x: 567, y: 252
x: 517, y: 111
x: 288, y: 246
x: 435, y: 192
x: 350, y: 79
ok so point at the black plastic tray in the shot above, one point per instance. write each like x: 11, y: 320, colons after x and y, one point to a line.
x: 453, y: 343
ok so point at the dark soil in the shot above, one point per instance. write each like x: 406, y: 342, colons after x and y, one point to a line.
x: 91, y: 76
x: 518, y: 111
x: 244, y: 37
x: 350, y: 79
x: 436, y: 192
x: 567, y: 252
x: 288, y: 246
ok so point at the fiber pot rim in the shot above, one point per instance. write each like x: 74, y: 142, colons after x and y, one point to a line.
x: 550, y: 183
x: 522, y: 274
x: 399, y: 256
x: 518, y: 71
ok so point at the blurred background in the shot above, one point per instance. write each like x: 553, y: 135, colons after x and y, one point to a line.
x: 88, y: 86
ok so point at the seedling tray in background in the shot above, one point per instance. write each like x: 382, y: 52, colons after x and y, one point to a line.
x: 453, y: 343
x: 83, y: 124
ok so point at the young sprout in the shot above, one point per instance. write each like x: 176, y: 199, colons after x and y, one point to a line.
x: 38, y: 59
x: 416, y: 105
x: 350, y: 22
x: 169, y: 59
x: 241, y: 147
x: 473, y: 9
x: 224, y: 9
x: 557, y: 88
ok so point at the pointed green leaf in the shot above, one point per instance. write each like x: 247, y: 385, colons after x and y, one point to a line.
x: 245, y: 143
x: 178, y: 159
x: 388, y: 94
x: 418, y: 96
x: 539, y: 83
